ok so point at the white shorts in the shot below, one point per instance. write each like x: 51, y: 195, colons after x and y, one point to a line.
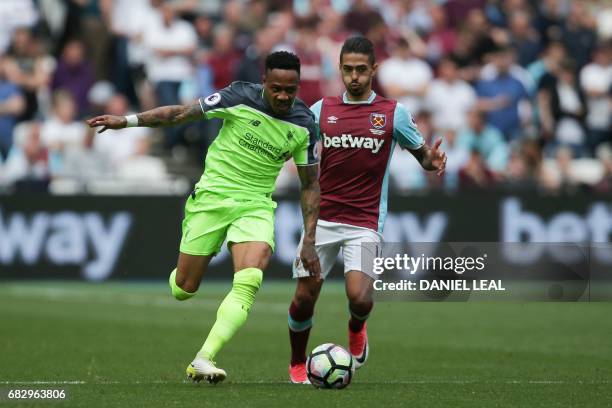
x: 330, y: 237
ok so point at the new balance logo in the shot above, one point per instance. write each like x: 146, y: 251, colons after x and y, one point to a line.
x: 350, y: 141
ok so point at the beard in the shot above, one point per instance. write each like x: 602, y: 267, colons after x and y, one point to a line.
x: 355, y: 91
x: 358, y: 91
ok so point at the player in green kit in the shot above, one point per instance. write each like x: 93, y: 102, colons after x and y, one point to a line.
x: 263, y: 126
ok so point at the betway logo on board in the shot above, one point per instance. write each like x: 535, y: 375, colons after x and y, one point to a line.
x: 64, y: 238
x: 350, y: 141
x: 593, y: 230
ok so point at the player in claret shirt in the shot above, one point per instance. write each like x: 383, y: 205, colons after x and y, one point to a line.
x: 358, y: 131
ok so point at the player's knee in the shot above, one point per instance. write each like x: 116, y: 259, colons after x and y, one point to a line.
x: 254, y: 256
x: 189, y: 286
x: 306, y: 296
x: 305, y: 301
x: 182, y: 288
x: 265, y: 256
x: 360, y: 303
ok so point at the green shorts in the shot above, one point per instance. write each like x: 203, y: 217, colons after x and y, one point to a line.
x: 211, y: 218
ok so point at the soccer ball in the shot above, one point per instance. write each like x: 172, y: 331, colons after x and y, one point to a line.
x: 330, y: 366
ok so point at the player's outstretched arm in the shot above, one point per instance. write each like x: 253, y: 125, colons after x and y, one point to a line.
x: 310, y: 197
x: 163, y: 116
x: 431, y: 158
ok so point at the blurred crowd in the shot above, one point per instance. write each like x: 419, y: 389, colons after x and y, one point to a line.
x: 519, y: 90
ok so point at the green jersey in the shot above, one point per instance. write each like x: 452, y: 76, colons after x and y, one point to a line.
x: 254, y: 143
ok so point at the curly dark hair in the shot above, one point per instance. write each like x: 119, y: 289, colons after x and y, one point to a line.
x: 283, y: 60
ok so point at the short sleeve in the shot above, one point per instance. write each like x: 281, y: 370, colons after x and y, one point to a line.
x: 316, y: 110
x: 405, y: 131
x: 306, y: 153
x: 219, y: 104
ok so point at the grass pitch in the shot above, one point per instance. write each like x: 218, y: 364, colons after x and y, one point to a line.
x: 127, y: 344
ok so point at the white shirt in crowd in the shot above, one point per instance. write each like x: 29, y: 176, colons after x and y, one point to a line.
x: 14, y: 14
x: 179, y: 35
x: 17, y: 167
x: 120, y: 144
x: 55, y: 134
x: 597, y: 78
x: 604, y: 23
x: 449, y: 103
x: 409, y: 74
x: 124, y: 23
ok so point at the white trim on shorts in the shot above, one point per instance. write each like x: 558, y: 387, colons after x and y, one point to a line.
x: 330, y: 238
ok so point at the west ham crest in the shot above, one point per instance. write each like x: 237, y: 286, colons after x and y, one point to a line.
x: 378, y: 120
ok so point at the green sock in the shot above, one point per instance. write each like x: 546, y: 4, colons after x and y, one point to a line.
x: 177, y: 292
x: 233, y: 311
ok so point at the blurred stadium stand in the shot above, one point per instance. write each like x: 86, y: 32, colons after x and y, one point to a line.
x: 518, y: 89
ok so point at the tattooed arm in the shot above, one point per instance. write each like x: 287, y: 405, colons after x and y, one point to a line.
x: 310, y: 197
x: 431, y: 158
x: 162, y: 116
